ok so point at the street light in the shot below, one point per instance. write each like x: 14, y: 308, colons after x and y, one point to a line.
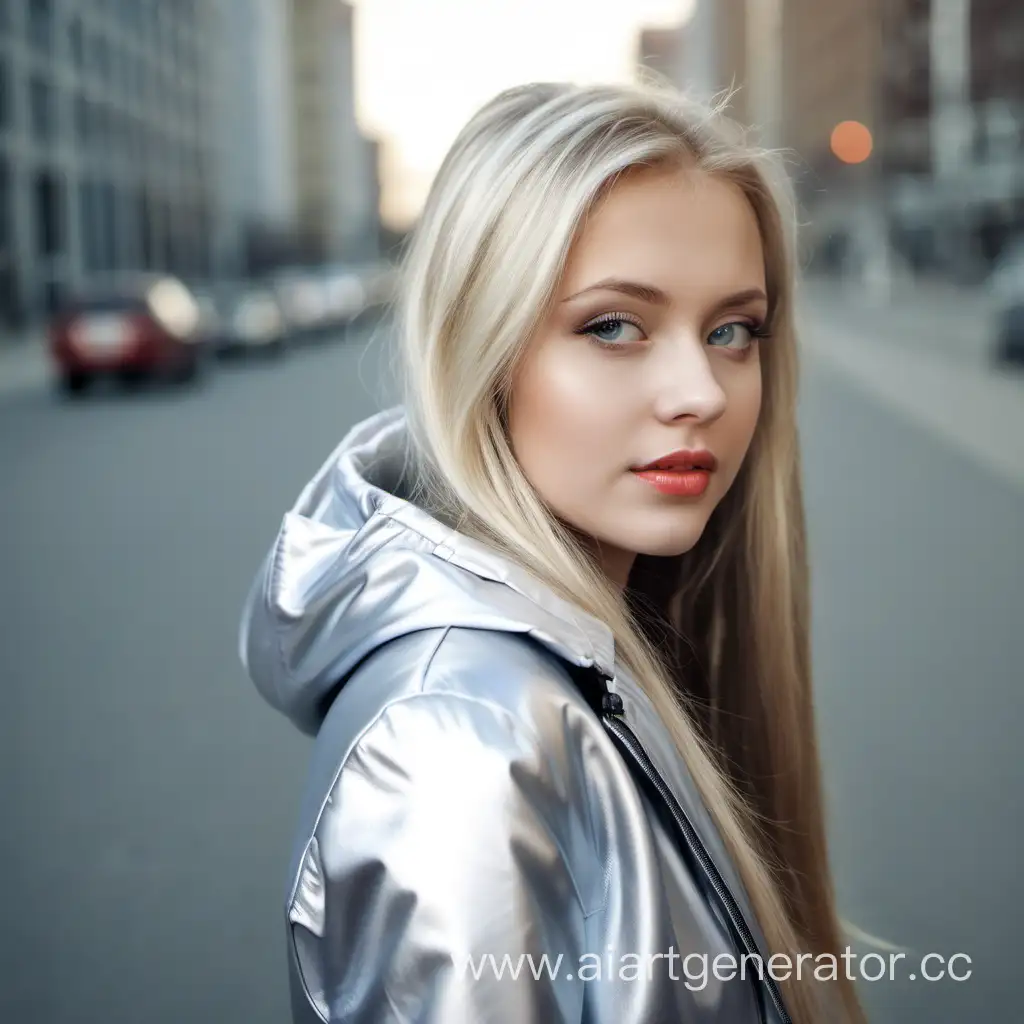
x: 851, y: 142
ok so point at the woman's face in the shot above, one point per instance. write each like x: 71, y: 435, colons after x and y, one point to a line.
x: 650, y: 350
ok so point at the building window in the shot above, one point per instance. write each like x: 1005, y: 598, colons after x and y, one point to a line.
x: 118, y: 133
x: 86, y: 220
x: 9, y: 298
x: 101, y: 58
x: 107, y: 226
x: 100, y: 127
x: 5, y: 96
x: 144, y: 214
x: 40, y: 23
x: 83, y: 120
x: 133, y: 141
x: 41, y: 103
x: 77, y: 42
x: 123, y: 71
x: 5, y: 208
x: 130, y: 15
x: 48, y: 214
x: 152, y: 23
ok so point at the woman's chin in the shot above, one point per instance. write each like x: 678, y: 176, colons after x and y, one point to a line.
x: 665, y: 536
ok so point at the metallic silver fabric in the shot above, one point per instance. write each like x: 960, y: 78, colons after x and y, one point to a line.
x: 463, y: 799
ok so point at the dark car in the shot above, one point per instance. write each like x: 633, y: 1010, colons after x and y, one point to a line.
x: 131, y: 329
x: 1006, y: 285
x: 241, y: 317
x: 1010, y: 343
x: 302, y: 297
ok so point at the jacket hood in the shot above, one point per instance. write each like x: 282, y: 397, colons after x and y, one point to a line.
x: 356, y: 565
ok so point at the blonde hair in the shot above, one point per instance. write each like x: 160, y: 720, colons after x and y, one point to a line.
x: 734, y: 688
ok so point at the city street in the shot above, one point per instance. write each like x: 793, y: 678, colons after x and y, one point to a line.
x: 149, y: 793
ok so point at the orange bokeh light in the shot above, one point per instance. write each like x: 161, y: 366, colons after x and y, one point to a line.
x: 851, y: 142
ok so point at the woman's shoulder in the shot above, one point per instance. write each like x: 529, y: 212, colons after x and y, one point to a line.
x: 508, y: 672
x: 448, y: 788
x: 476, y: 696
x: 476, y: 719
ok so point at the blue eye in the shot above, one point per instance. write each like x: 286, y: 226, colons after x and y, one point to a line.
x: 727, y: 336
x: 612, y: 331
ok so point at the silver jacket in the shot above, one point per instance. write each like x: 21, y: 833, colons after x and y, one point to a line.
x: 476, y: 845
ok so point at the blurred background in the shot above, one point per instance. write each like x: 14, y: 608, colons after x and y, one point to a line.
x: 201, y: 202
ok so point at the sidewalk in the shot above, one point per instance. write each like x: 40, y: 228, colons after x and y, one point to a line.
x: 926, y: 356
x: 937, y: 317
x: 24, y: 363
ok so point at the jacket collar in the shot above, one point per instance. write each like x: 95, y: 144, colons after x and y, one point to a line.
x: 356, y: 564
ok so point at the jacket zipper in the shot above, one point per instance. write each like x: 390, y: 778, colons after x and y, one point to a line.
x: 614, y: 721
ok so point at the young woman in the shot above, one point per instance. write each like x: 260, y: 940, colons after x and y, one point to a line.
x: 549, y: 621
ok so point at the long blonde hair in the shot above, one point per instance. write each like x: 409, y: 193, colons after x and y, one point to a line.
x: 717, y: 638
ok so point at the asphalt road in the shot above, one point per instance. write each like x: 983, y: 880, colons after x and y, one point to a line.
x: 149, y: 795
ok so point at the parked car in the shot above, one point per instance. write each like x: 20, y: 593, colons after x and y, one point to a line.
x: 241, y: 317
x: 1010, y: 342
x: 345, y: 295
x: 303, y: 300
x: 1006, y: 285
x: 1006, y: 281
x: 132, y: 328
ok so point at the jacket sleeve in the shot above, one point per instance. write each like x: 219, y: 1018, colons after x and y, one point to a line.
x: 448, y: 894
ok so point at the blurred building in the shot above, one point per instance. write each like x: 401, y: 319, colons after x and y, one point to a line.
x: 794, y: 68
x: 711, y: 54
x: 661, y: 50
x: 201, y: 137
x: 937, y: 84
x: 256, y: 166
x: 952, y: 99
x: 105, y: 144
x: 336, y: 172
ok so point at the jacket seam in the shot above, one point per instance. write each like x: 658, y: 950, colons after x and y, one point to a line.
x: 605, y: 866
x: 519, y: 731
x: 379, y: 512
x: 302, y: 974
x: 430, y: 659
x: 270, y: 586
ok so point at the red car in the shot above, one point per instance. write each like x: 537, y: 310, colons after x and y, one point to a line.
x: 145, y: 327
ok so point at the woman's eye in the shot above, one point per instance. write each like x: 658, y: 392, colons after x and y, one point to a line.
x: 735, y: 336
x: 614, y: 331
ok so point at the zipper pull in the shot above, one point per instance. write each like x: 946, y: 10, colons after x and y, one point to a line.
x: 611, y: 704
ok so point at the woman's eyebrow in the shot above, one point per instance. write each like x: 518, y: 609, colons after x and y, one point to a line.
x: 741, y: 298
x: 656, y: 297
x: 644, y: 292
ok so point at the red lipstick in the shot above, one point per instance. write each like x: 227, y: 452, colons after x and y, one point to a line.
x: 682, y: 473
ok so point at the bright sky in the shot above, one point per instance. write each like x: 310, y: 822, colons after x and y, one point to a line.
x: 423, y: 67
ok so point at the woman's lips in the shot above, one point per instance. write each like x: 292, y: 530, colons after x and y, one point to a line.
x: 689, y: 483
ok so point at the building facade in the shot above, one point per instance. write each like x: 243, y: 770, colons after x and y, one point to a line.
x: 712, y: 56
x: 940, y: 87
x: 199, y: 137
x: 953, y: 107
x: 661, y: 50
x: 336, y: 173
x: 105, y: 144
x: 254, y: 147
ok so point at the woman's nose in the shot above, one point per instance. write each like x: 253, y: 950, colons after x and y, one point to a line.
x: 686, y: 385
